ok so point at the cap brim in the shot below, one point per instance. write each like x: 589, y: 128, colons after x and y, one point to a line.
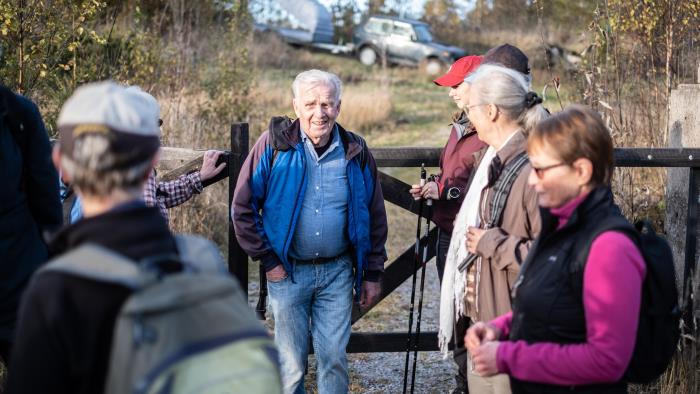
x: 449, y: 80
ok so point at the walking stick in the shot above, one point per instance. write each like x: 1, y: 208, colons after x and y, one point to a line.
x: 417, y: 263
x: 424, y: 261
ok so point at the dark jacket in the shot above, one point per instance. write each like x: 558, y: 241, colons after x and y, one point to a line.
x: 279, y: 191
x: 29, y: 200
x: 66, y: 323
x: 548, y: 306
x: 456, y: 165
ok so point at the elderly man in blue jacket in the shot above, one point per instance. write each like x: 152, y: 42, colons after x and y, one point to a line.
x: 309, y: 206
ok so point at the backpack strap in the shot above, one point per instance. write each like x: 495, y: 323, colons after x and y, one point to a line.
x: 97, y: 263
x: 67, y: 204
x: 503, y: 185
x: 501, y: 190
x: 278, y: 126
x: 100, y: 264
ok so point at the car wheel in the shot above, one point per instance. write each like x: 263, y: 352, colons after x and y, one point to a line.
x: 432, y: 66
x: 368, y: 56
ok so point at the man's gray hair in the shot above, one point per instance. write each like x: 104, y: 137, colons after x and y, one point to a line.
x: 507, y: 89
x: 91, y: 168
x: 317, y: 77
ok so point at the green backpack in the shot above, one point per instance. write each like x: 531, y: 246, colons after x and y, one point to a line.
x: 185, y: 332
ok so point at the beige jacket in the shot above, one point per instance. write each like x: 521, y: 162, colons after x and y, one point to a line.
x: 504, y: 248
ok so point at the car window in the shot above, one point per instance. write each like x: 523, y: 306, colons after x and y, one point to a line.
x: 403, y: 30
x: 423, y: 33
x: 378, y: 26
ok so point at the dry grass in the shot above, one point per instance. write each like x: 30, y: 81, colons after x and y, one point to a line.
x: 365, y: 107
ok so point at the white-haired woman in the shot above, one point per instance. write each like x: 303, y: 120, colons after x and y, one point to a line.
x: 499, y: 216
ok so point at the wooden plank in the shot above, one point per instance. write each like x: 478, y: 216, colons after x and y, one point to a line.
x: 398, y: 271
x: 691, y: 234
x: 386, y: 342
x: 655, y: 157
x: 174, y: 158
x: 396, y: 192
x: 237, y: 258
x: 624, y: 157
x: 365, y: 342
x: 406, y: 157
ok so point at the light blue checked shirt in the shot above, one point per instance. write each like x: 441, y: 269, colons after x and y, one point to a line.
x: 321, y: 229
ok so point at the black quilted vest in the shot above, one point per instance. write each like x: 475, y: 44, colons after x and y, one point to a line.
x: 548, y: 295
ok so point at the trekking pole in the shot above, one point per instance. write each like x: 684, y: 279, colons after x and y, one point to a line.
x: 261, y: 308
x: 424, y: 260
x: 416, y: 264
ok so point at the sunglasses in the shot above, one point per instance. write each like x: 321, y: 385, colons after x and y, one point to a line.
x: 539, y: 171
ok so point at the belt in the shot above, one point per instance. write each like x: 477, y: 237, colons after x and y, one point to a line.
x: 317, y: 260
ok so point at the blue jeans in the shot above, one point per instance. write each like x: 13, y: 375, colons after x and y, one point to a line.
x: 320, y: 298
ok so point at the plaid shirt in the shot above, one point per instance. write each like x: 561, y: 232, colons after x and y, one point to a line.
x: 169, y: 194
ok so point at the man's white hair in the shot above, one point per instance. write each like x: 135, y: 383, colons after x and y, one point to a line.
x: 317, y: 77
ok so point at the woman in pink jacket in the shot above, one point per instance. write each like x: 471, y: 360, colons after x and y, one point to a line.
x: 574, y: 321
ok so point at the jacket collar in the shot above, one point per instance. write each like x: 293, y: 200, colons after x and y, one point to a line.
x: 462, y: 125
x: 513, y: 147
x: 599, y: 200
x: 290, y: 131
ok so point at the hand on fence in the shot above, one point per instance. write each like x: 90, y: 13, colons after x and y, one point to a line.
x: 209, y: 168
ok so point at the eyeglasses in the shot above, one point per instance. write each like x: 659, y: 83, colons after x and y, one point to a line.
x: 468, y: 107
x: 539, y: 171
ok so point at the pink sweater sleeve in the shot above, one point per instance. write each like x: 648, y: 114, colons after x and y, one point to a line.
x: 502, y: 323
x: 612, y: 283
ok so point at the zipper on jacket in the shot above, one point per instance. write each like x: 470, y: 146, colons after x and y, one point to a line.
x: 295, y: 215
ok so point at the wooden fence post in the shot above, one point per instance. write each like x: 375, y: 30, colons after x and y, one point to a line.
x: 682, y: 184
x: 237, y: 258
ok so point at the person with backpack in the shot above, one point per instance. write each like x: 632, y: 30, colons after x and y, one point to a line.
x: 309, y: 206
x: 499, y: 217
x: 126, y: 306
x: 29, y: 204
x: 577, y: 299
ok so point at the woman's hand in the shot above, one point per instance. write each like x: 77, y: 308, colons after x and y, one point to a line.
x: 429, y: 191
x: 474, y: 235
x: 480, y: 333
x: 484, y: 359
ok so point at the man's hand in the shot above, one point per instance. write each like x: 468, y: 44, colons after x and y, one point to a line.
x: 430, y: 190
x: 209, y: 168
x: 484, y: 359
x: 478, y: 334
x: 474, y: 235
x: 276, y: 274
x: 370, y: 293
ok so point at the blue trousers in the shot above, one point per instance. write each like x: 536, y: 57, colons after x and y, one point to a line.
x: 318, y: 301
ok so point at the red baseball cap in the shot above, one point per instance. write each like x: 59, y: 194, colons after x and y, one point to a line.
x: 459, y: 70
